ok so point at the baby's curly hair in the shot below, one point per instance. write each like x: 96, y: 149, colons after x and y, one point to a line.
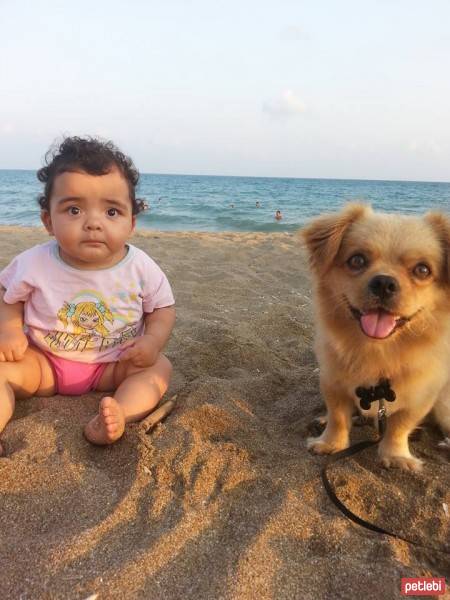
x: 93, y: 156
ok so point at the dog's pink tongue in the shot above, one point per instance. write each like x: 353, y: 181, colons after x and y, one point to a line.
x: 377, y: 323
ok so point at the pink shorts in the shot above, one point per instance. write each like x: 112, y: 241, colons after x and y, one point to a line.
x: 75, y: 378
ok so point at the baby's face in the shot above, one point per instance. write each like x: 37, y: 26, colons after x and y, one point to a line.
x: 90, y: 217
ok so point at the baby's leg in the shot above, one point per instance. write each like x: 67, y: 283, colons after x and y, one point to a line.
x: 22, y: 379
x: 139, y: 391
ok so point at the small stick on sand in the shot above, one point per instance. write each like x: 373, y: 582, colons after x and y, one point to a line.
x: 158, y: 415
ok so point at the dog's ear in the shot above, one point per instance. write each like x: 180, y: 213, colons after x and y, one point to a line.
x: 323, y: 236
x: 441, y: 226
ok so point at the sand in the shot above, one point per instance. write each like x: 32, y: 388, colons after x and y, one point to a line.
x: 222, y: 499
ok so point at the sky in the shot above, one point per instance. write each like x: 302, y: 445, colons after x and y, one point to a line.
x: 272, y: 88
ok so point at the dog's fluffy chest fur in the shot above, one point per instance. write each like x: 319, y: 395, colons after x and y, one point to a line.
x: 415, y: 375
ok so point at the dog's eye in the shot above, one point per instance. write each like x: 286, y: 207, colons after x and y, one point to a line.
x: 421, y: 271
x: 357, y: 262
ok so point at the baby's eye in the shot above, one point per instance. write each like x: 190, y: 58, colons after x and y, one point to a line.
x: 112, y: 212
x: 74, y: 210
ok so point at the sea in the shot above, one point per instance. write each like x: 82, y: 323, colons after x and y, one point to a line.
x: 220, y: 203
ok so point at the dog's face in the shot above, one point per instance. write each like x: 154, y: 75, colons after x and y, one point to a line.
x: 380, y: 275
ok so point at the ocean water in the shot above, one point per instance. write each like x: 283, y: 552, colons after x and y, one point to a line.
x: 205, y: 203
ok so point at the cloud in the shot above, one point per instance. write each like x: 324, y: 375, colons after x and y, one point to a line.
x: 425, y: 147
x: 293, y: 33
x: 287, y: 105
x: 7, y: 128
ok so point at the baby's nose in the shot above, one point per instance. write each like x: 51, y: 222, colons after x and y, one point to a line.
x: 92, y: 222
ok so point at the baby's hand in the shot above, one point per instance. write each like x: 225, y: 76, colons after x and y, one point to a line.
x: 141, y: 352
x: 13, y: 343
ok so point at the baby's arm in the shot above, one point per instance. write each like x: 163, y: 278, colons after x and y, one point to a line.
x: 13, y: 341
x: 144, y: 351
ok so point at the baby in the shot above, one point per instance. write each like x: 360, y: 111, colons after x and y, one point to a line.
x: 97, y: 311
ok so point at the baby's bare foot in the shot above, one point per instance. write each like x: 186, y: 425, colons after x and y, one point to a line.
x: 108, y: 426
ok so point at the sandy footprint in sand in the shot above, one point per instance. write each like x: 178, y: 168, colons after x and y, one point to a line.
x: 108, y: 426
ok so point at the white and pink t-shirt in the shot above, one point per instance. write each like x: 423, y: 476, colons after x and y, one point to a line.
x: 84, y: 315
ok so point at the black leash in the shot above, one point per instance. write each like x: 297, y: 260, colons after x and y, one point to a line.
x: 380, y: 392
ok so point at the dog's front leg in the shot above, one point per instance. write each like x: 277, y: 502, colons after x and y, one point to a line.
x: 394, y: 448
x: 339, y: 419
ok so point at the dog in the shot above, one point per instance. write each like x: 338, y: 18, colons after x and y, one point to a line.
x: 382, y: 303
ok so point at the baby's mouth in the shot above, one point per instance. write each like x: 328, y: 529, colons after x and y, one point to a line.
x: 378, y: 323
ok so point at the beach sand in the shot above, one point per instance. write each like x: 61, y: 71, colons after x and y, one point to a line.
x: 222, y: 499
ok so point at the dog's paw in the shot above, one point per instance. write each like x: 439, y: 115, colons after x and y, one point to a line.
x: 320, y: 446
x: 407, y: 463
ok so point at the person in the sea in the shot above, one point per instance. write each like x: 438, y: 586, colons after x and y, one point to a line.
x: 86, y: 310
x: 278, y: 215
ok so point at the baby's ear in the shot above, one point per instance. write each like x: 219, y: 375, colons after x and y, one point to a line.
x: 323, y: 236
x: 46, y: 220
x: 441, y: 226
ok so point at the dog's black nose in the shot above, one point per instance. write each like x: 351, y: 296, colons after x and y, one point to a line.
x: 384, y: 286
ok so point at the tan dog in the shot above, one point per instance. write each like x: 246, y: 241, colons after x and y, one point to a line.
x: 382, y: 298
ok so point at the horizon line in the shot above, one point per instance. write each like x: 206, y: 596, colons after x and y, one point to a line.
x: 272, y: 177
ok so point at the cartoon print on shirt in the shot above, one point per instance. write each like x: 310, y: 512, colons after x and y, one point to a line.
x: 86, y: 317
x: 85, y: 328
